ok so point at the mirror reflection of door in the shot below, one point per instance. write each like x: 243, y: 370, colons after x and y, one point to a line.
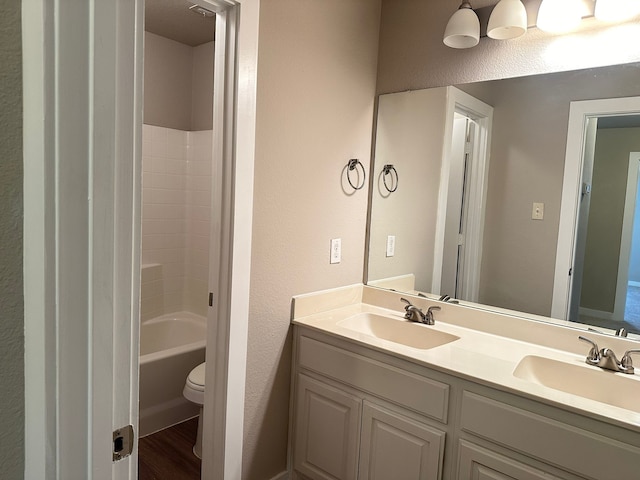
x: 606, y: 276
x: 462, y: 145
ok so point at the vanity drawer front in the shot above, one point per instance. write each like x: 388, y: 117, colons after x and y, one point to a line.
x: 425, y: 396
x: 565, y: 446
x: 478, y: 463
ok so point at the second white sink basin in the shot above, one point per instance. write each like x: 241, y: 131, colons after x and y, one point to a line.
x: 398, y: 331
x: 617, y: 389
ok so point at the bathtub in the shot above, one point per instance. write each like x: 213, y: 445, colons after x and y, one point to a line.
x: 170, y: 347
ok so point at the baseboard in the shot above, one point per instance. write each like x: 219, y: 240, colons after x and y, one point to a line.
x: 281, y: 476
x: 596, y: 313
x: 634, y: 284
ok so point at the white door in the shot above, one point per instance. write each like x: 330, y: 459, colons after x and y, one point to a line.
x: 82, y: 209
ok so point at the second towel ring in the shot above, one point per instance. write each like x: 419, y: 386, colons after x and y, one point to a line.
x: 352, y: 165
x: 386, y: 170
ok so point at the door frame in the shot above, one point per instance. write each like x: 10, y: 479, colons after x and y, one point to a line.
x: 82, y: 80
x: 482, y: 114
x: 579, y: 113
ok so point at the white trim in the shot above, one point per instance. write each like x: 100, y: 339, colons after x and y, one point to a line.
x: 234, y: 146
x: 281, y: 476
x: 626, y: 236
x: 579, y: 112
x: 633, y: 283
x: 482, y: 114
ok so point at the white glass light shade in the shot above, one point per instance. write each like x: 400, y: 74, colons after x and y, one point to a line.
x: 508, y: 20
x: 616, y: 10
x: 559, y: 16
x: 463, y: 29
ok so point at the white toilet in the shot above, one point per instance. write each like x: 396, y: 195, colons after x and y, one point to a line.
x: 194, y: 392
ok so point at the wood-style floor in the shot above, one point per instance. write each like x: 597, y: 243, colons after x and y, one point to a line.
x: 168, y: 454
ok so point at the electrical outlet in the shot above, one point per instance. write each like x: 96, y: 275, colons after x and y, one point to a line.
x: 391, y: 245
x: 336, y: 250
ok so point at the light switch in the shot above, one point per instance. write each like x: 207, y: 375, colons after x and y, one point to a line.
x: 538, y: 211
x: 336, y: 250
x: 391, y: 245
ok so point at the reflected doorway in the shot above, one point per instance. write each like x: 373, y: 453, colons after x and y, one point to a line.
x: 606, y: 268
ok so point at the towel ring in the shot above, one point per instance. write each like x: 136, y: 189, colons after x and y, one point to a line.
x: 352, y: 165
x: 386, y: 170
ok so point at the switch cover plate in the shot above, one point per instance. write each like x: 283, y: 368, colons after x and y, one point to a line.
x: 391, y: 245
x: 336, y: 251
x: 538, y: 211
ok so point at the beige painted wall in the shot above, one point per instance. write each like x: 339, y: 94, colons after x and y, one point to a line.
x: 604, y: 230
x: 316, y: 88
x: 409, y: 135
x: 202, y: 87
x: 178, y: 81
x: 11, y: 209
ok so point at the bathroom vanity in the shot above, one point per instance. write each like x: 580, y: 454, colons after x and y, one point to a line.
x: 377, y: 397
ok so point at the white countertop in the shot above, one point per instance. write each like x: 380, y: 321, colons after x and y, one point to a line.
x: 478, y: 356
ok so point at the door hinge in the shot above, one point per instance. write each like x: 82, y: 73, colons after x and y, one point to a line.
x: 211, y: 299
x: 570, y: 271
x: 122, y: 442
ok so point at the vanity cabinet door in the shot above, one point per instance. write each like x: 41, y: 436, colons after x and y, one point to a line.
x: 477, y: 463
x: 399, y: 448
x: 327, y: 431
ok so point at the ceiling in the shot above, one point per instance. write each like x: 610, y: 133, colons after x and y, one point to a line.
x: 173, y: 19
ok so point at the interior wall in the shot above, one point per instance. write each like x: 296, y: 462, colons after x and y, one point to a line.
x: 201, y: 91
x: 11, y: 280
x: 527, y: 165
x: 315, y: 98
x: 604, y: 231
x: 409, y: 135
x: 413, y: 56
x: 177, y: 84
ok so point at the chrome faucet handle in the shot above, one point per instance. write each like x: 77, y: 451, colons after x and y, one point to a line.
x: 407, y: 302
x: 428, y: 318
x: 593, y: 357
x: 621, y: 332
x: 626, y: 362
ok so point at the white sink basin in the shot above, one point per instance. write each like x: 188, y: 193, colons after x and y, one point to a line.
x: 398, y: 330
x: 617, y: 389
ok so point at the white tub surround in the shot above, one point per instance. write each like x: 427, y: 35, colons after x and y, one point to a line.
x: 460, y: 399
x: 170, y: 347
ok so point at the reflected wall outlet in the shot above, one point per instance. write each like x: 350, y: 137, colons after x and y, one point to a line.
x: 336, y: 250
x: 538, y: 211
x: 391, y: 245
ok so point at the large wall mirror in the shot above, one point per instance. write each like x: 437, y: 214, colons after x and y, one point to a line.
x: 469, y: 184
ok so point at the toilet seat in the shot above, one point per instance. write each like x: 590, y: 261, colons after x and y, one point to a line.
x: 194, y: 386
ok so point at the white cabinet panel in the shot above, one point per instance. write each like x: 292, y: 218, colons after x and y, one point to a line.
x: 327, y: 431
x: 477, y: 463
x: 396, y: 447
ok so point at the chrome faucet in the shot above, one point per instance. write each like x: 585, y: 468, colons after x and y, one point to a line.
x: 414, y: 314
x: 447, y: 299
x: 606, y: 358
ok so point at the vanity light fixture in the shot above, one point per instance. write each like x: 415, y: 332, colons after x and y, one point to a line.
x: 616, y: 10
x: 508, y: 20
x: 463, y: 28
x: 559, y: 16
